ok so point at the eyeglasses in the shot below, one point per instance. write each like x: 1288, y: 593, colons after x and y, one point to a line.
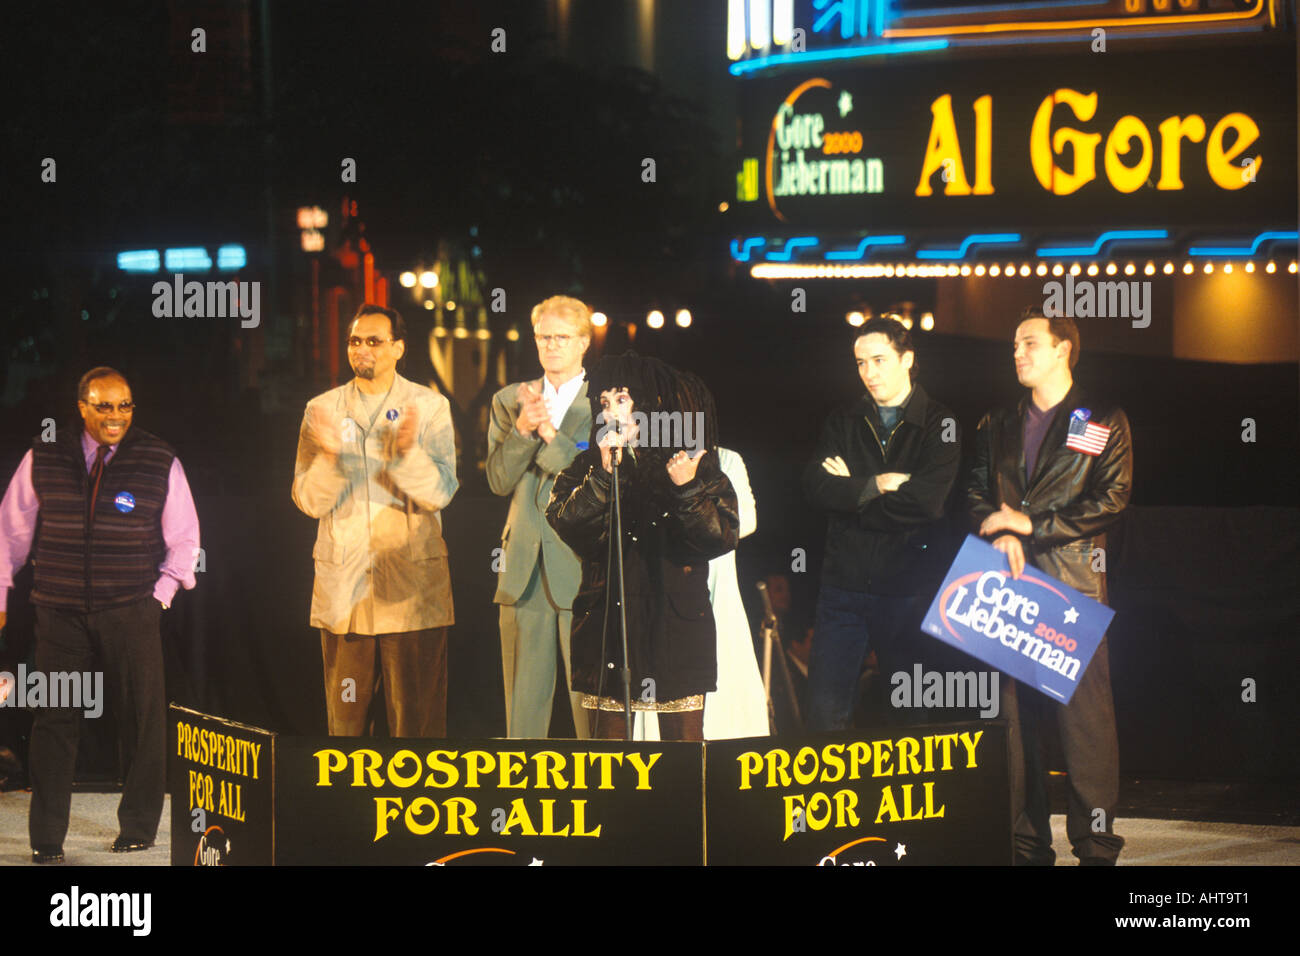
x: 105, y: 407
x: 561, y: 340
x: 372, y: 342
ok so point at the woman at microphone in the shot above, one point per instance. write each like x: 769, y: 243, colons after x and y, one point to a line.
x: 678, y: 512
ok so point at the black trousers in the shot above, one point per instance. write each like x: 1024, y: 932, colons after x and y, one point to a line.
x: 126, y: 644
x: 1091, y: 750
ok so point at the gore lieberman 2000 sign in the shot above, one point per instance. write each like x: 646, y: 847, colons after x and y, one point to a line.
x: 1113, y: 139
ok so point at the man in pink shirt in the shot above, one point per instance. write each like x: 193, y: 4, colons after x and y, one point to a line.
x: 109, y: 521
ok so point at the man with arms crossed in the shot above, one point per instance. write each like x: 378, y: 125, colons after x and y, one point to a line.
x: 376, y: 464
x: 532, y: 436
x: 1050, y: 474
x: 882, y: 473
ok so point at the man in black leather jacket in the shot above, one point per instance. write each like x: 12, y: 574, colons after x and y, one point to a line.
x: 678, y: 512
x: 882, y: 472
x: 1050, y: 474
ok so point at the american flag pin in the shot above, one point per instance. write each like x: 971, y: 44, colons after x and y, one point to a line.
x: 1085, y: 436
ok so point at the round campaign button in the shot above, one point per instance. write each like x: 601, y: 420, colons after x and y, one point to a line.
x: 125, y: 501
x: 1082, y: 414
x: 391, y: 414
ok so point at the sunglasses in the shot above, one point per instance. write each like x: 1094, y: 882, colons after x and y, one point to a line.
x: 105, y: 407
x: 373, y: 342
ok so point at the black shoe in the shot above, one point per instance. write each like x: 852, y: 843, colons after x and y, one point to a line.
x: 123, y: 845
x: 47, y: 854
x: 1095, y: 861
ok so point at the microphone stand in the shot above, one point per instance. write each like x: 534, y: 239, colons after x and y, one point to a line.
x: 772, y: 641
x: 616, y: 531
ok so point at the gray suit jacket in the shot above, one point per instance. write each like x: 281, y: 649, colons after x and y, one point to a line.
x: 525, y: 468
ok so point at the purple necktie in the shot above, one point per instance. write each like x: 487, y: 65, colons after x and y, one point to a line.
x: 96, y: 473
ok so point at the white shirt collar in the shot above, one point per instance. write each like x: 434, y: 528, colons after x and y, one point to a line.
x: 560, y: 399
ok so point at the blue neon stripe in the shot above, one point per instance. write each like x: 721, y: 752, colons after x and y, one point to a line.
x: 741, y: 254
x: 144, y: 260
x: 821, y: 56
x: 1111, y: 235
x: 1242, y: 250
x: 231, y: 257
x: 857, y: 254
x: 790, y: 246
x: 974, y: 239
x: 178, y: 260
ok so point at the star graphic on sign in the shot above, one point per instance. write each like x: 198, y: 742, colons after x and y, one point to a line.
x: 900, y: 851
x: 846, y: 103
x: 1071, y: 616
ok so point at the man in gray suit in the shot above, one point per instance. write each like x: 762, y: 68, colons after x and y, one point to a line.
x: 532, y: 436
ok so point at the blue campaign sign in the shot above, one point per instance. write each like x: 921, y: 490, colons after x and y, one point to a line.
x: 1035, y: 629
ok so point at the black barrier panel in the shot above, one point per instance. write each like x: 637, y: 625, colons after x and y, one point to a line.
x: 916, y: 796
x: 492, y: 802
x: 221, y: 776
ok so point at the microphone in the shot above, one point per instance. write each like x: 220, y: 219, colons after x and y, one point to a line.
x: 769, y: 615
x: 616, y: 453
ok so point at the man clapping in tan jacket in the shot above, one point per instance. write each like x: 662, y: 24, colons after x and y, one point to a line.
x: 376, y: 464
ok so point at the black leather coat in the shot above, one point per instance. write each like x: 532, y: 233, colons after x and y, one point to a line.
x: 890, y: 543
x: 670, y: 533
x: 1072, y: 497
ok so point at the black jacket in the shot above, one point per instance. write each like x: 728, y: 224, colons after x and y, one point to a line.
x: 890, y: 543
x: 1072, y: 497
x: 670, y: 533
